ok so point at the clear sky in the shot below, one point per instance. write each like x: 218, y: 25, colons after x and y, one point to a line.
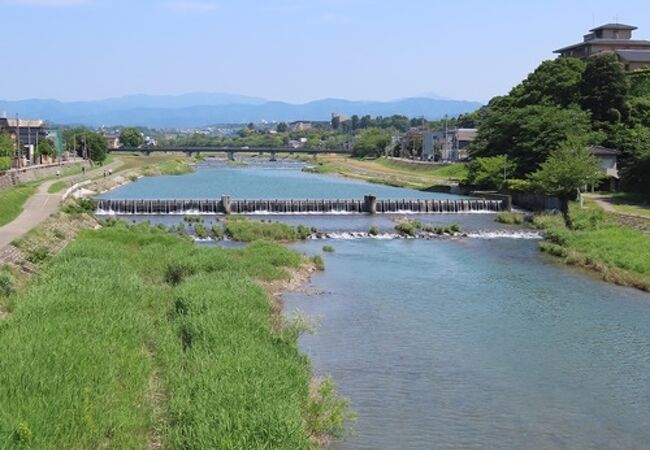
x: 291, y: 50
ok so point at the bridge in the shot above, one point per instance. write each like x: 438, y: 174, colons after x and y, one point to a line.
x: 231, y: 151
x: 226, y: 205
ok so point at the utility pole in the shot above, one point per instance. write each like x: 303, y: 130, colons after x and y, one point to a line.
x: 18, y: 151
x: 446, y: 138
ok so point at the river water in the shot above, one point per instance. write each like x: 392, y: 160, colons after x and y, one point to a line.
x: 480, y: 343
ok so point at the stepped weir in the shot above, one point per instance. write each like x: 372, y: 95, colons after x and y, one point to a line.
x: 225, y: 205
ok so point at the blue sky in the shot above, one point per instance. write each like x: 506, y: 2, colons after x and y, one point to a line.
x: 291, y: 50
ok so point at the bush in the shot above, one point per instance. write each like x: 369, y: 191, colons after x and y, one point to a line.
x: 374, y: 231
x: 5, y: 163
x: 318, y: 262
x: 406, y: 229
x: 7, y: 283
x: 518, y: 185
x: 510, y: 218
x: 38, y: 255
x: 245, y: 230
x: 80, y: 206
x: 200, y: 231
x: 328, y: 249
x: 326, y: 412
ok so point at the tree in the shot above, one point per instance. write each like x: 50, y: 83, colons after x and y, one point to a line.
x: 554, y: 82
x: 566, y: 170
x: 6, y: 145
x: 490, y: 172
x: 282, y: 127
x: 365, y: 122
x: 354, y: 121
x: 97, y: 146
x: 45, y: 149
x: 529, y: 134
x: 131, y: 137
x: 603, y: 89
x: 336, y: 122
x: 370, y: 143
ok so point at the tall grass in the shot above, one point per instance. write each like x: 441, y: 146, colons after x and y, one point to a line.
x: 596, y: 241
x: 245, y: 230
x: 132, y: 335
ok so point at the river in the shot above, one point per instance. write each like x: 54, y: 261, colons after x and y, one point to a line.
x: 477, y: 342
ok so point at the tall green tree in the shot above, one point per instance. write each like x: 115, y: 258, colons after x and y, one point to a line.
x: 371, y: 143
x: 604, y: 88
x: 529, y: 134
x: 282, y: 127
x: 45, y: 148
x: 131, y: 137
x: 566, y: 170
x: 490, y: 172
x: 554, y: 82
x: 6, y: 145
x: 97, y: 146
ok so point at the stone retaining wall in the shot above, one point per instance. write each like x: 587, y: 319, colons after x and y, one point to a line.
x: 13, y: 177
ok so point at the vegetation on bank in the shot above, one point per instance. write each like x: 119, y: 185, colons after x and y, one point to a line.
x: 168, y: 167
x: 414, y: 227
x: 597, y: 241
x: 510, y: 218
x: 244, y: 230
x: 12, y: 201
x: 135, y: 338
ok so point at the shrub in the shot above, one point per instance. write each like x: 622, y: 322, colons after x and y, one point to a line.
x: 217, y: 231
x: 200, y: 231
x: 80, y: 206
x: 176, y: 272
x: 406, y: 228
x: 510, y: 218
x: 318, y: 262
x: 326, y: 412
x: 374, y: 231
x: 59, y: 234
x: 7, y: 283
x: 328, y: 249
x: 38, y: 255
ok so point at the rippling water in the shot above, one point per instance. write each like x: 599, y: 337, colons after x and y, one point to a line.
x: 477, y: 343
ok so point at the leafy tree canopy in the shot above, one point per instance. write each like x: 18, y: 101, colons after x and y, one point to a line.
x: 6, y: 145
x: 131, y: 137
x: 491, y: 172
x: 371, y: 143
x: 566, y: 170
x: 603, y: 89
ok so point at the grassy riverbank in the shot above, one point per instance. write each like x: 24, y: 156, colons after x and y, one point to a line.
x: 12, y: 201
x: 599, y: 241
x: 135, y: 338
x: 391, y: 172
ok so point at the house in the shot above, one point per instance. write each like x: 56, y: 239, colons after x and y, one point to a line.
x: 608, y: 159
x: 613, y: 38
x: 113, y: 141
x: 300, y: 125
x: 447, y: 144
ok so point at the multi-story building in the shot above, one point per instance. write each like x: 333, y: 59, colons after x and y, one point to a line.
x: 447, y: 145
x: 26, y: 133
x: 614, y: 38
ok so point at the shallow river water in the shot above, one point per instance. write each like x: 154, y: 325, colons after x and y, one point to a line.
x: 455, y: 343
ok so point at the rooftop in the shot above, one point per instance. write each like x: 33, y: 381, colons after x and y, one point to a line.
x: 634, y: 55
x: 640, y: 43
x: 24, y: 123
x: 614, y: 26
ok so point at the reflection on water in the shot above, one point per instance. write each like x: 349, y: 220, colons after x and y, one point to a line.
x: 259, y: 181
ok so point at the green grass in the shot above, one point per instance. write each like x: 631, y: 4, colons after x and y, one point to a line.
x: 447, y: 171
x: 12, y: 201
x: 597, y: 241
x: 57, y: 187
x: 169, y: 167
x: 132, y: 335
x: 245, y: 230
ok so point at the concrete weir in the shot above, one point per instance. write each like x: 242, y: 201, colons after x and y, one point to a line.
x: 369, y: 205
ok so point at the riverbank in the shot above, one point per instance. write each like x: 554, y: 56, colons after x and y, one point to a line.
x: 601, y: 242
x: 391, y: 172
x: 163, y: 342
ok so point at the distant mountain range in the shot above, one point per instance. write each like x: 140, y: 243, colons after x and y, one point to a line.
x: 202, y: 109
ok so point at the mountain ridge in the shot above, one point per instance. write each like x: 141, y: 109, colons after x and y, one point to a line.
x: 202, y: 109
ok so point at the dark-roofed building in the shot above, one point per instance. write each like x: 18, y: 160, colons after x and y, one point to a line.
x: 615, y: 38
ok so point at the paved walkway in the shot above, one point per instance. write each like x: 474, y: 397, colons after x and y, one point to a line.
x: 607, y: 203
x: 42, y: 204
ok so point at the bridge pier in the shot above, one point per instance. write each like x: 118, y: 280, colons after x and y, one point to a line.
x: 226, y: 204
x: 273, y: 156
x: 370, y: 202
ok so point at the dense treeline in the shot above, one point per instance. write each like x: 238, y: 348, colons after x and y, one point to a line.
x: 568, y: 100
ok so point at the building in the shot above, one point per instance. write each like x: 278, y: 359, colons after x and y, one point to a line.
x: 300, y: 125
x: 613, y: 38
x: 447, y: 145
x: 26, y: 133
x: 112, y: 141
x: 608, y: 159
